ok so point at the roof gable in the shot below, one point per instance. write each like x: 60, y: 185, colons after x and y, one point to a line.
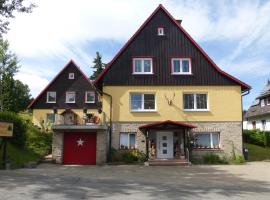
x: 62, y: 76
x: 227, y: 79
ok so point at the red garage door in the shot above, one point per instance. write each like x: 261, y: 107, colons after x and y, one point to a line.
x: 80, y: 148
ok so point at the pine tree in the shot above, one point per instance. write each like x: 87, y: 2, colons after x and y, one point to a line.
x: 98, y: 66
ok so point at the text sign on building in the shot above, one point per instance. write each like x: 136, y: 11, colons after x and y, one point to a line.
x: 6, y: 129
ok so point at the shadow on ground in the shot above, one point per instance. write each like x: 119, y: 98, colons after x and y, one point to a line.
x: 128, y: 182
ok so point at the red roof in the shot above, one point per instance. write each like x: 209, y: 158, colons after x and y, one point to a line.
x: 167, y: 122
x: 244, y: 85
x: 70, y: 62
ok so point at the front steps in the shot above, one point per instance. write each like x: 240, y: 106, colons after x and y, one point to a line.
x: 167, y: 162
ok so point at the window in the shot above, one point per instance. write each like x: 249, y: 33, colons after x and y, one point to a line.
x: 142, y: 66
x: 207, y: 140
x: 160, y: 31
x: 70, y: 97
x: 50, y: 118
x: 196, y: 102
x: 268, y: 101
x: 263, y: 124
x: 90, y: 97
x: 142, y: 102
x: 127, y: 140
x: 262, y: 102
x: 181, y: 66
x: 51, y: 97
x: 71, y: 76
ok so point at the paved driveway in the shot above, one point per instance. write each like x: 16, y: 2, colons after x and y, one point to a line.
x: 250, y: 181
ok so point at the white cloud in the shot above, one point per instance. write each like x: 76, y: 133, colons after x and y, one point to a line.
x: 59, y: 29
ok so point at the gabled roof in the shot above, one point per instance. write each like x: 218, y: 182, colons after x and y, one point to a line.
x: 166, y: 123
x: 53, y: 80
x: 160, y: 7
x: 265, y: 92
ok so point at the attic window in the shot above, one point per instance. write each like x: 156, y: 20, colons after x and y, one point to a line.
x: 160, y: 31
x: 71, y: 76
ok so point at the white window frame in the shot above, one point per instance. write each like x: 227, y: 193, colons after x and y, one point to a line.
x: 142, y: 60
x: 71, y: 76
x: 142, y: 110
x: 263, y: 121
x: 93, y: 94
x: 195, y: 102
x: 70, y: 92
x: 48, y: 97
x: 211, y: 138
x: 268, y: 100
x: 128, y: 133
x: 262, y: 102
x: 181, y: 67
x: 160, y: 31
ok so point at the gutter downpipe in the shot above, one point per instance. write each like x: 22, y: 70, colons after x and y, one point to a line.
x: 110, y: 126
x: 242, y: 95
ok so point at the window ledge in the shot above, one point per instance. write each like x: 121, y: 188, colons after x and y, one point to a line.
x: 71, y: 102
x: 189, y: 110
x: 205, y: 149
x: 180, y: 74
x: 142, y: 73
x: 145, y: 111
x: 50, y: 102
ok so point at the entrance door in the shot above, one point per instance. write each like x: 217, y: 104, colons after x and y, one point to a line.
x: 164, y: 145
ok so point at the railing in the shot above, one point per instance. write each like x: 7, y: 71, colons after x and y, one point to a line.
x: 73, y: 119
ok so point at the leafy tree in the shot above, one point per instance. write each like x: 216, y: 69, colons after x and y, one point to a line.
x: 14, y: 95
x: 98, y: 66
x: 7, y: 9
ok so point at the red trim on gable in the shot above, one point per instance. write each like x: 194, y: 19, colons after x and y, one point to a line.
x: 70, y: 62
x: 246, y: 86
x: 182, y: 124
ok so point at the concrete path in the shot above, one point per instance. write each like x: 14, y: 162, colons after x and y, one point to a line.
x: 57, y: 182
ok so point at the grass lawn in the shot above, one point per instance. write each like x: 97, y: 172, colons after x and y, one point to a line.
x: 257, y: 153
x: 18, y: 156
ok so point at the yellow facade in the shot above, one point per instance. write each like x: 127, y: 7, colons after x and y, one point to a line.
x: 224, y: 103
x: 40, y: 115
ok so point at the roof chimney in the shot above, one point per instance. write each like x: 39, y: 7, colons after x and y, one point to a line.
x: 179, y: 21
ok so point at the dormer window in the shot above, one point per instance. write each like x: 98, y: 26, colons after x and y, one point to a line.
x: 262, y: 102
x: 71, y: 76
x: 142, y: 66
x: 181, y: 66
x: 160, y: 31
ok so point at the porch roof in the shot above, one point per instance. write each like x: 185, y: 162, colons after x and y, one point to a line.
x: 167, y: 124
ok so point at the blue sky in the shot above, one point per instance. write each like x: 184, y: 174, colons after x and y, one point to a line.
x: 235, y: 34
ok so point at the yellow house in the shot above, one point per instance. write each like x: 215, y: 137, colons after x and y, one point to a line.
x: 161, y: 94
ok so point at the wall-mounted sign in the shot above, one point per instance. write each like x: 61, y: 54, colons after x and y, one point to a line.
x: 6, y: 129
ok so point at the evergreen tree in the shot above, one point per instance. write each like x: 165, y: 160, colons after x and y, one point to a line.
x: 14, y: 95
x: 98, y: 66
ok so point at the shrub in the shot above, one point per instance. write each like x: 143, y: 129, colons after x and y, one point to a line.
x: 19, y: 128
x: 39, y: 142
x: 239, y: 160
x: 211, y: 158
x: 128, y: 156
x: 257, y: 137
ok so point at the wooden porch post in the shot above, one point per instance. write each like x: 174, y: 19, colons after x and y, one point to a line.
x: 147, y: 145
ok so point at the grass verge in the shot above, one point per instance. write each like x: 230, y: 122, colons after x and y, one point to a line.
x: 257, y: 153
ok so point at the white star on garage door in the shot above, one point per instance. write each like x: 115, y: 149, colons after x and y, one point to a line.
x: 80, y: 142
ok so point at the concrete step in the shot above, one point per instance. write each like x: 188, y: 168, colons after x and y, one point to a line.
x: 175, y: 162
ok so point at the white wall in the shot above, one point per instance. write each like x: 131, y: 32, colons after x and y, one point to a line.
x: 248, y: 124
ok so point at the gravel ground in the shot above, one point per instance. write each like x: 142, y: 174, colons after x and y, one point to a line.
x: 48, y: 181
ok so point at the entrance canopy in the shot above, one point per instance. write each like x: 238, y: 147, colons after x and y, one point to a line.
x: 168, y: 124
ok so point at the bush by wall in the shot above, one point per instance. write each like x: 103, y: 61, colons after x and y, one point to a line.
x: 19, y: 128
x: 128, y: 156
x: 257, y: 137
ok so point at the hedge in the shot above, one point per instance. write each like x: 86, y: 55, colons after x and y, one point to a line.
x: 257, y: 137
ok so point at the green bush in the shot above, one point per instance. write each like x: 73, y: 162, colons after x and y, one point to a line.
x: 39, y: 142
x: 256, y: 137
x: 239, y: 160
x: 19, y: 128
x: 128, y: 156
x: 211, y: 158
